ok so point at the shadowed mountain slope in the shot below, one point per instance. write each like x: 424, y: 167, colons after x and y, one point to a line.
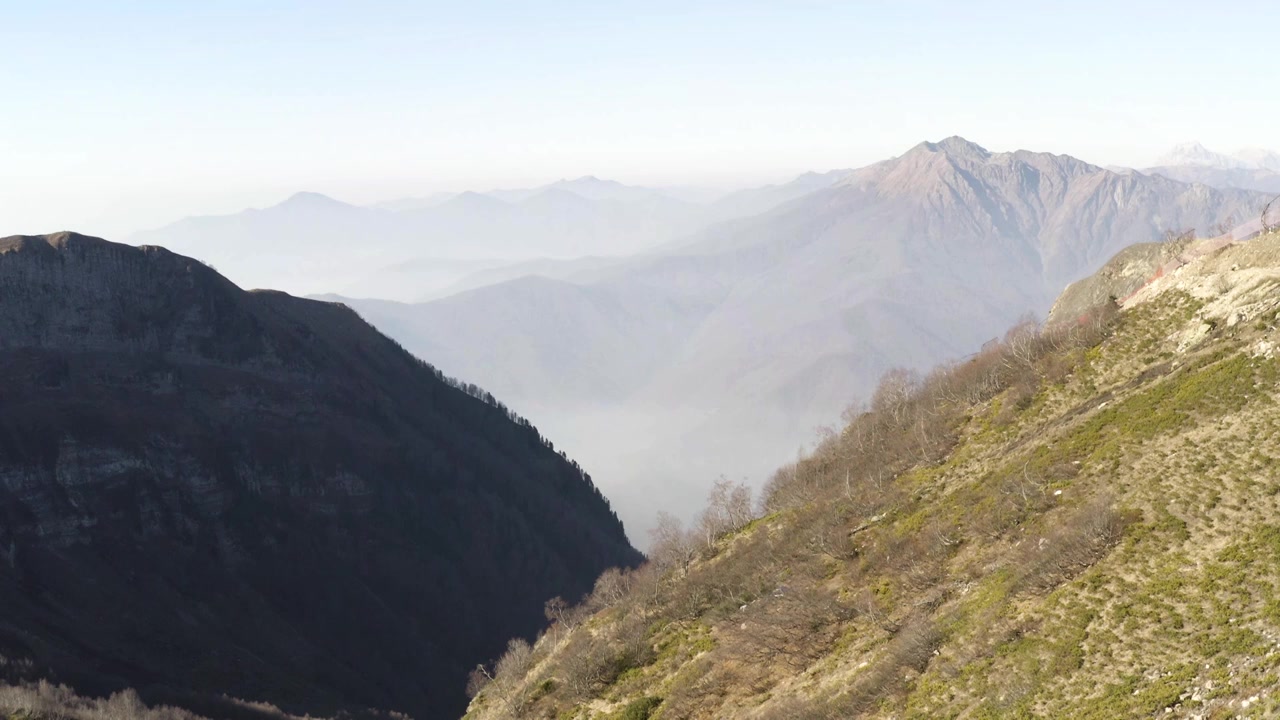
x: 206, y: 490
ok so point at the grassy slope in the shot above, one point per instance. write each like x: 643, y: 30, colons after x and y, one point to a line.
x: 1103, y: 542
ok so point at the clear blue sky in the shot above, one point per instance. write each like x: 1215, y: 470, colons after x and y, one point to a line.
x: 127, y: 114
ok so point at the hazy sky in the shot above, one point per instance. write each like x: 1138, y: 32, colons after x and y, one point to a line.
x: 123, y: 115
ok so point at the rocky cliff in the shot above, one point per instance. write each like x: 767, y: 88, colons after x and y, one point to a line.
x: 207, y: 491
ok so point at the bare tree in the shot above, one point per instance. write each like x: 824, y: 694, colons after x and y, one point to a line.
x: 1021, y: 343
x: 1267, y: 225
x: 672, y: 546
x: 478, y: 680
x: 728, y: 508
x: 894, y: 393
x: 611, y: 587
x: 514, y: 662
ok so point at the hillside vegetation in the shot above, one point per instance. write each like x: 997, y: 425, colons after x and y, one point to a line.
x: 45, y: 701
x: 1081, y: 521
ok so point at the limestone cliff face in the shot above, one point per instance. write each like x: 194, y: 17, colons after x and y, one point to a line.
x: 208, y: 491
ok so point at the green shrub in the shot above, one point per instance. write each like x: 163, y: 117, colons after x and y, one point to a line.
x: 640, y: 709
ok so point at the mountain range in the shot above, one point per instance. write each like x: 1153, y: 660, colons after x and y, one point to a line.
x: 207, y: 492
x: 1250, y: 169
x: 420, y: 248
x: 722, y: 352
x: 1193, y: 153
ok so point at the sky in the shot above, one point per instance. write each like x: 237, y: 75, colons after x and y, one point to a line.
x: 127, y: 115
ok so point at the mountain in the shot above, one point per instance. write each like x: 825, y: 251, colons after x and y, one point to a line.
x: 1076, y: 522
x: 1258, y: 179
x: 591, y: 188
x: 1260, y: 158
x: 1250, y: 169
x: 211, y: 491
x: 305, y: 241
x: 411, y: 249
x: 754, y: 201
x: 1193, y: 153
x: 311, y: 243
x: 720, y: 355
x: 415, y: 203
x: 426, y: 278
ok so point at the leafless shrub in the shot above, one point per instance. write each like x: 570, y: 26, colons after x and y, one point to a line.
x: 1223, y: 284
x: 831, y: 538
x: 918, y: 558
x: 909, y: 651
x: 477, y: 680
x: 592, y: 662
x: 793, y: 708
x: 692, y: 692
x: 794, y: 626
x: 1025, y: 491
x: 43, y: 699
x: 1075, y: 541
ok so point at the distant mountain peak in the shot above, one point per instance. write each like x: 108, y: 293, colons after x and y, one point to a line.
x: 1261, y: 158
x: 1193, y: 153
x: 557, y: 194
x: 311, y: 199
x: 588, y: 183
x: 592, y: 187
x: 472, y: 198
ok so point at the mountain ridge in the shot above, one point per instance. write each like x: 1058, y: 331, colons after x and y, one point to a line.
x: 1251, y: 168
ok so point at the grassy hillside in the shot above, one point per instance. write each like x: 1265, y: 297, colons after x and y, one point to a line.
x: 1079, y: 522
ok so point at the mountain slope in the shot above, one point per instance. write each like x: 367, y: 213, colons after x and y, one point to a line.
x: 209, y: 491
x: 789, y: 316
x: 1261, y: 179
x: 1077, y: 522
x: 753, y: 201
